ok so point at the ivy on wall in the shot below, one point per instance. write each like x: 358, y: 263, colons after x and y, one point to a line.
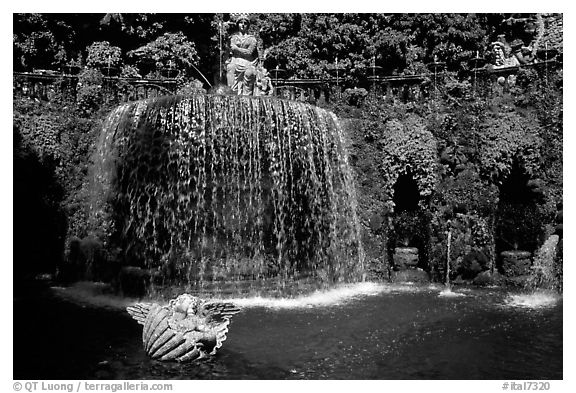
x: 463, y: 205
x: 471, y: 245
x: 61, y: 140
x: 458, y: 157
x: 505, y: 138
x: 409, y: 148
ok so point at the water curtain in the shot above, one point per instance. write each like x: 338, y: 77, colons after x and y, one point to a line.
x: 211, y: 187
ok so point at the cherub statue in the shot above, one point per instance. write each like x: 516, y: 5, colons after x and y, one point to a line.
x: 189, y: 328
x: 263, y: 83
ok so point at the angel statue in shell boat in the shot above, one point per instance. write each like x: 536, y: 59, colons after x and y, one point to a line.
x: 188, y: 328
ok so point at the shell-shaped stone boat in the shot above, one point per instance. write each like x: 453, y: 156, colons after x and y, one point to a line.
x: 188, y: 328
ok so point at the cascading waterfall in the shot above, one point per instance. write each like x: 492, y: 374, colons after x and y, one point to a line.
x: 209, y: 187
x: 546, y: 272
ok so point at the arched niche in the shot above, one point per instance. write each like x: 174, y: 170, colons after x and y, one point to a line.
x: 406, y: 194
x: 519, y: 222
x: 409, y: 221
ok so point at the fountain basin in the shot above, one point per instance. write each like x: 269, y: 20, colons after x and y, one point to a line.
x: 381, y: 331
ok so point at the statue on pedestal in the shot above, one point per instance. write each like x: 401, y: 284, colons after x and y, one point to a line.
x: 522, y: 53
x: 503, y: 55
x: 241, y: 71
x: 245, y: 74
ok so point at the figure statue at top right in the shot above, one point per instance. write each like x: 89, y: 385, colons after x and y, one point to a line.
x: 522, y: 53
x: 503, y: 56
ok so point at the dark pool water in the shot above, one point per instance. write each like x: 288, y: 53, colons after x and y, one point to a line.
x: 383, y: 332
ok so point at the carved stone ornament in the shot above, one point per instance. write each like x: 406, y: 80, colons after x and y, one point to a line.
x: 188, y: 328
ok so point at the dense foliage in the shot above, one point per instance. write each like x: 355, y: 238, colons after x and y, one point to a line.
x: 466, y: 149
x: 505, y: 138
x: 52, y: 148
x: 52, y: 41
x: 309, y: 45
x: 167, y: 52
x: 102, y: 54
x: 39, y: 42
x: 490, y: 165
x: 305, y: 45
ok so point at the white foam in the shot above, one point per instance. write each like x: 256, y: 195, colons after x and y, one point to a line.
x: 533, y: 300
x: 330, y: 297
x: 449, y: 293
x: 90, y: 294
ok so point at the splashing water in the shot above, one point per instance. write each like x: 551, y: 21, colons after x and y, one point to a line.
x: 95, y: 295
x: 545, y: 280
x: 546, y: 273
x: 535, y: 300
x: 323, y: 298
x: 447, y: 292
x: 206, y: 188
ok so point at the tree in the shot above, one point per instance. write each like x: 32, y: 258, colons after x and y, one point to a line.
x: 36, y: 43
x: 307, y: 45
x: 168, y: 50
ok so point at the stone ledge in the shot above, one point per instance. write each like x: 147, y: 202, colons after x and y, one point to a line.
x: 410, y: 275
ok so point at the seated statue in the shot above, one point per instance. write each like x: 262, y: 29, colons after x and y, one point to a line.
x: 241, y: 70
x: 522, y: 53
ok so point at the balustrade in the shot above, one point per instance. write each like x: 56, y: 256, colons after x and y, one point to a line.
x: 405, y: 88
x: 45, y: 86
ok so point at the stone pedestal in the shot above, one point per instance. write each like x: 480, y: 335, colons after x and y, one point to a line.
x: 516, y: 263
x: 487, y: 279
x: 415, y: 275
x: 405, y: 258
